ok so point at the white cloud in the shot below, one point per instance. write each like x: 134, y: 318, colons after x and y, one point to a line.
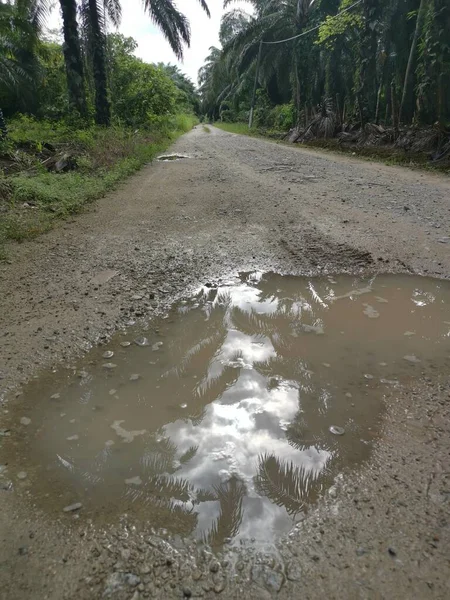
x: 152, y: 47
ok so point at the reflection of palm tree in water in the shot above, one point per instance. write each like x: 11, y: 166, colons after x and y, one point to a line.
x: 285, y: 319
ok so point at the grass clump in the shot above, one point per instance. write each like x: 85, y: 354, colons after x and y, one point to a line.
x: 32, y: 198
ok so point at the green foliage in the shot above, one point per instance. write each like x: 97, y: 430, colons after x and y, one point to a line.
x: 355, y: 62
x: 343, y: 25
x: 104, y: 156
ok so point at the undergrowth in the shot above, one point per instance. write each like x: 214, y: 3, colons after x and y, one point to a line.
x: 31, y: 198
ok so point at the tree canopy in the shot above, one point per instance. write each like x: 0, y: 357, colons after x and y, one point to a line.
x: 378, y: 61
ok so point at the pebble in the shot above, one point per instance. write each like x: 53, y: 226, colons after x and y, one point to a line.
x: 411, y: 358
x: 125, y: 344
x: 336, y: 430
x: 25, y: 421
x: 134, y: 480
x: 157, y: 346
x: 108, y: 354
x: 135, y: 377
x: 72, y: 438
x: 21, y: 475
x: 72, y: 507
x: 109, y: 365
x: 368, y: 376
x: 143, y: 341
x: 214, y: 567
x: 55, y: 396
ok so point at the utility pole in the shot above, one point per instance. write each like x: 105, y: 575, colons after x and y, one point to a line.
x: 255, y: 86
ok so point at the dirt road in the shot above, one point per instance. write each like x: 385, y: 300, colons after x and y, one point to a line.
x: 235, y: 204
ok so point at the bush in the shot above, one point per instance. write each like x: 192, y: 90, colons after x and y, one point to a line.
x: 33, y: 198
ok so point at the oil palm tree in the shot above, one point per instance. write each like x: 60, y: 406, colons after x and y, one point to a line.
x: 21, y: 23
x: 173, y: 24
x: 73, y: 59
x: 94, y: 16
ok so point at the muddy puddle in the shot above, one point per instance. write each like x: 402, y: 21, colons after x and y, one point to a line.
x: 228, y: 418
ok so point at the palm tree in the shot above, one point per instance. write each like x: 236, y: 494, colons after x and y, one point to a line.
x: 174, y: 25
x: 72, y: 58
x: 412, y: 55
x: 20, y: 26
x: 94, y: 14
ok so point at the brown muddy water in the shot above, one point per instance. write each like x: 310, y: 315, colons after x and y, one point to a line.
x: 232, y: 415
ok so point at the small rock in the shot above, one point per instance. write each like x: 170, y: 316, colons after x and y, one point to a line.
x: 392, y: 552
x: 143, y: 341
x: 214, y: 567
x: 134, y: 480
x: 109, y: 365
x: 335, y: 430
x: 132, y: 580
x: 21, y: 475
x: 72, y: 438
x: 187, y: 593
x: 108, y: 354
x: 135, y: 377
x: 25, y: 421
x: 23, y: 550
x: 125, y: 344
x: 266, y: 577
x: 72, y: 507
x: 55, y: 396
x: 411, y: 358
x: 157, y: 346
x: 219, y: 587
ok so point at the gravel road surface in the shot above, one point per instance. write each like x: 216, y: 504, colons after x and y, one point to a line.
x: 233, y: 204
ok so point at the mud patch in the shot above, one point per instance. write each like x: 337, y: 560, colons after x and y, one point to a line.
x: 236, y: 412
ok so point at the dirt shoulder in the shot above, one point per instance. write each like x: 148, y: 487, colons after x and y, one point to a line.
x: 236, y: 204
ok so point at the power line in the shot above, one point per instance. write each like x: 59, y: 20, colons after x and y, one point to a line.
x: 314, y: 28
x: 252, y: 107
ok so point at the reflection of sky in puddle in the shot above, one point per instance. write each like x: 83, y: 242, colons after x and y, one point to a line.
x: 226, y: 430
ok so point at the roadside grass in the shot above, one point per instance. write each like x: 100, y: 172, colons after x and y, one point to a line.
x: 382, y: 154
x: 32, y: 199
x: 240, y: 128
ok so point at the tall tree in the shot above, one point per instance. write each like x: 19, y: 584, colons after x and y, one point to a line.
x: 164, y: 13
x: 94, y: 15
x: 412, y: 56
x: 73, y: 59
x: 21, y: 23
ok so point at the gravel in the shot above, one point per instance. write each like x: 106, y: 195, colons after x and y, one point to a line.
x: 229, y: 208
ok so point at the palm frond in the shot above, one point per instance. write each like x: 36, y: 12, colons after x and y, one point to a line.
x: 188, y: 455
x: 230, y: 495
x: 284, y: 483
x: 173, y: 24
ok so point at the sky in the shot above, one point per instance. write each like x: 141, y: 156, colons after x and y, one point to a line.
x: 152, y: 46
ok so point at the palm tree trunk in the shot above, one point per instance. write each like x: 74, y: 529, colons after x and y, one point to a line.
x: 3, y: 128
x: 72, y: 58
x: 412, y: 53
x: 102, y: 107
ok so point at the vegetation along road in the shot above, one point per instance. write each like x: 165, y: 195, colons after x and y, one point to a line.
x: 232, y: 204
